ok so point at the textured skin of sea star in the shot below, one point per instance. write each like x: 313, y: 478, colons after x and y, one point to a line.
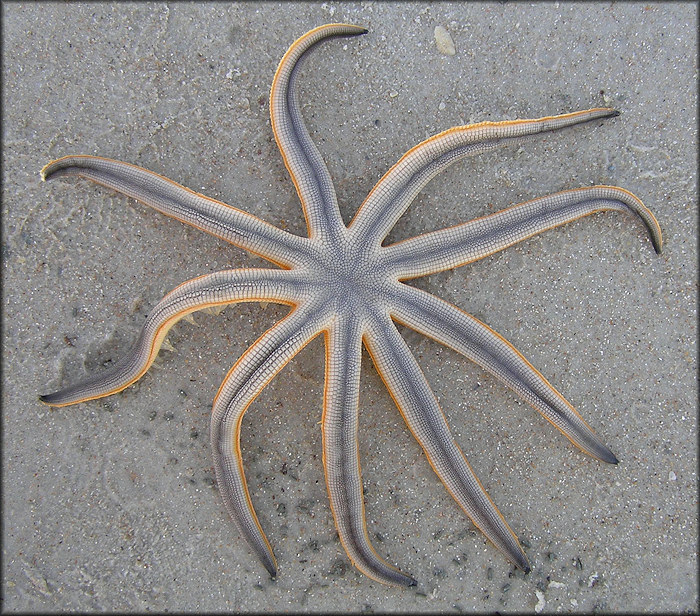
x: 341, y: 282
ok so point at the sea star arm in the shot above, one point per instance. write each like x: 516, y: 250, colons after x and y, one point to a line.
x: 216, y: 289
x: 399, y: 186
x: 461, y: 244
x: 221, y: 220
x: 301, y: 156
x: 341, y: 454
x: 440, y: 320
x: 416, y: 402
x: 244, y: 382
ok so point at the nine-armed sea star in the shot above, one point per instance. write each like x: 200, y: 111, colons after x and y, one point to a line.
x: 342, y: 282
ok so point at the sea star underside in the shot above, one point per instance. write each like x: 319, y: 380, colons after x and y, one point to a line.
x: 342, y: 282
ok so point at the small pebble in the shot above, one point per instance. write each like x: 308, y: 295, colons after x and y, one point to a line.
x: 444, y: 41
x: 540, y: 602
x: 671, y: 476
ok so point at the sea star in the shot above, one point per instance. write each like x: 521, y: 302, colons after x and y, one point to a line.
x: 342, y: 282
